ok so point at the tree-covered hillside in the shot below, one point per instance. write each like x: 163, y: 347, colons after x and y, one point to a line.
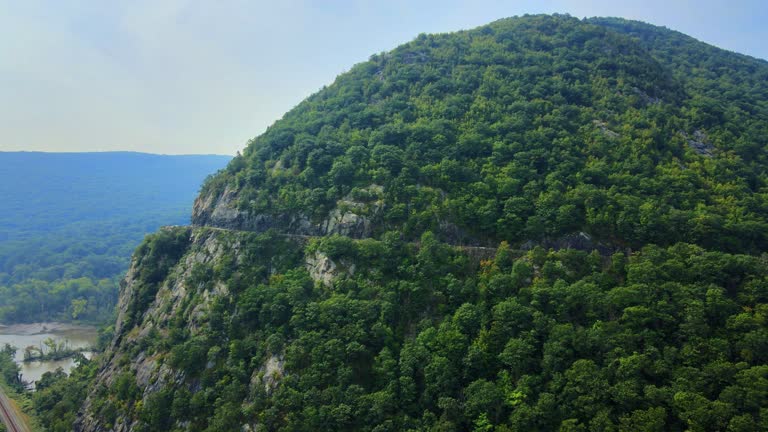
x: 525, y: 129
x: 70, y: 221
x: 540, y: 224
x: 222, y: 330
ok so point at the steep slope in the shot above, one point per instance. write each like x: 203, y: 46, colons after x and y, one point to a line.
x: 352, y: 270
x: 520, y: 130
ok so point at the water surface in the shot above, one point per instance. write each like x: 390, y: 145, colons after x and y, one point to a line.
x: 24, y: 335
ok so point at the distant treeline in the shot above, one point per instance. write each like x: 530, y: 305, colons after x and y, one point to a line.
x: 70, y: 222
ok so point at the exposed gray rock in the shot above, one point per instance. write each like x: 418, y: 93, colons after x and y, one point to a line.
x: 151, y: 372
x: 648, y: 99
x: 350, y: 217
x: 127, y: 288
x: 221, y: 211
x: 270, y: 373
x: 700, y: 143
x: 348, y: 224
x: 603, y: 126
x: 278, y: 167
x: 324, y: 270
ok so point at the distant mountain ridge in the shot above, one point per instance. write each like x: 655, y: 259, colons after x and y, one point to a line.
x: 41, y: 191
x: 76, y: 217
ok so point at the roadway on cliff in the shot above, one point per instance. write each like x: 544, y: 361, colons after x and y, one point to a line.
x: 476, y: 249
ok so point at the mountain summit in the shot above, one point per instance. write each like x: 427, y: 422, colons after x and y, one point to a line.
x: 544, y: 223
x: 524, y: 129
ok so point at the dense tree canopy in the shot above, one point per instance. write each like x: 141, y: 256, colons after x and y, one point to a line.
x: 425, y: 338
x: 71, y: 220
x: 531, y: 128
x: 518, y: 133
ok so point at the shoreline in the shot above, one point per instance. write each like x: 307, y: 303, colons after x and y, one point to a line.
x: 87, y: 352
x: 53, y: 327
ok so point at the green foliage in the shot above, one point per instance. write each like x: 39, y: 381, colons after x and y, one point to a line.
x: 154, y: 413
x: 125, y: 389
x: 530, y: 128
x: 71, y: 221
x: 156, y: 255
x: 527, y: 129
x: 13, y: 388
x: 11, y: 374
x: 669, y: 338
x: 337, y: 246
x: 82, y: 298
x: 58, y: 397
x: 190, y: 356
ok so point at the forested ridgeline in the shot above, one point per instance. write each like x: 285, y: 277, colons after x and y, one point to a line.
x: 516, y: 135
x: 520, y: 130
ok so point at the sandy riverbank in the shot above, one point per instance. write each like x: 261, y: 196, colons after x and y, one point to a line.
x: 45, y: 327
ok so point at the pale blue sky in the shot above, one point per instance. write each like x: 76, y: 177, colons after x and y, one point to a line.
x: 183, y: 76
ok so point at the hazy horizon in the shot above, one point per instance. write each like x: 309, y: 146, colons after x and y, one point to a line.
x: 115, y: 151
x: 181, y: 77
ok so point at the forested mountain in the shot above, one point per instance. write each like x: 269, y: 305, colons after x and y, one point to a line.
x: 70, y: 221
x: 544, y: 223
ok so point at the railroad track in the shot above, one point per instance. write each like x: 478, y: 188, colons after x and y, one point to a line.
x: 12, y: 421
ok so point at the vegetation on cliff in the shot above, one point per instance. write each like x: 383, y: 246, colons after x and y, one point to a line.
x: 529, y: 128
x: 58, y: 397
x: 514, y: 134
x: 408, y: 337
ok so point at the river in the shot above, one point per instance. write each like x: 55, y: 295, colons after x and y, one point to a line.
x: 24, y: 335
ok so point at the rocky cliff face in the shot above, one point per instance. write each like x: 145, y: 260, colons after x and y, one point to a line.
x: 154, y: 315
x: 180, y: 294
x: 350, y: 217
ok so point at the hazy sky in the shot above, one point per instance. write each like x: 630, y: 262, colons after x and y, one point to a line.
x: 183, y: 76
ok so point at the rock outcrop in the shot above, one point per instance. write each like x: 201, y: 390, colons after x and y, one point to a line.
x: 325, y: 271
x: 351, y: 217
x: 700, y: 143
x: 221, y: 211
x: 182, y: 293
